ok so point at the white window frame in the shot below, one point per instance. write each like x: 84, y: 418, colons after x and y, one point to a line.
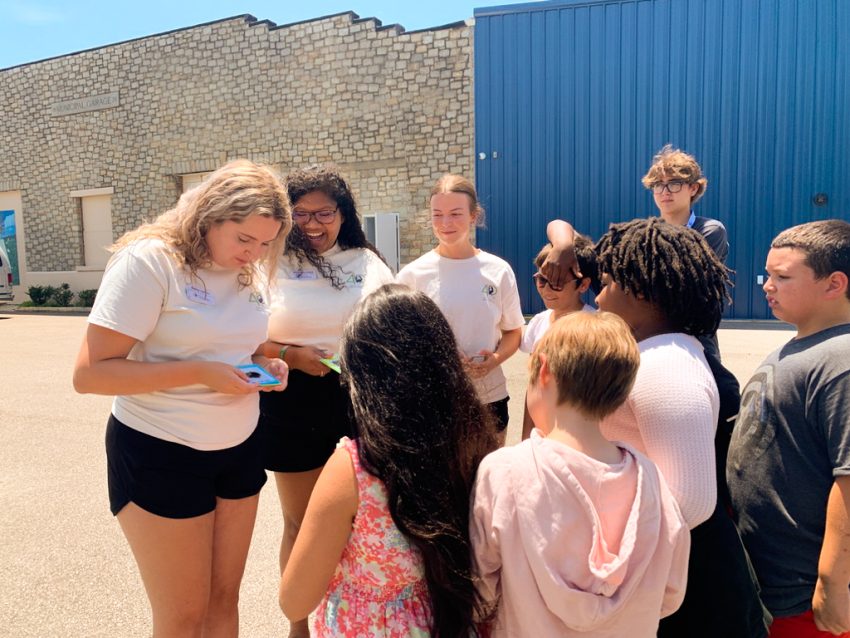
x: 382, y: 230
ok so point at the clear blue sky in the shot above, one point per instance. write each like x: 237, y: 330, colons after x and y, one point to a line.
x: 32, y: 30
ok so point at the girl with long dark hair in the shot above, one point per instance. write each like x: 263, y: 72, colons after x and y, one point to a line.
x: 385, y: 540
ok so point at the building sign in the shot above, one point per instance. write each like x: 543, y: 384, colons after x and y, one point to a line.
x: 83, y: 105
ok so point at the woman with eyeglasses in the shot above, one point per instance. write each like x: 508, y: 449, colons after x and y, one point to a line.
x: 328, y: 266
x: 476, y: 291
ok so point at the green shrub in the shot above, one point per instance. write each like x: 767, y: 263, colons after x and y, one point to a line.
x: 40, y: 295
x: 62, y: 295
x: 85, y: 298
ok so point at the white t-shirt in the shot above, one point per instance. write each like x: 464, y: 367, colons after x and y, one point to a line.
x: 537, y: 327
x: 306, y: 310
x: 147, y: 295
x: 478, y: 297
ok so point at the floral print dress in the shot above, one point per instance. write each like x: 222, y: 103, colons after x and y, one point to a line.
x: 378, y: 588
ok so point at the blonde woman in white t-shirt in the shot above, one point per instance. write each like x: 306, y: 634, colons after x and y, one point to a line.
x: 476, y: 291
x: 328, y: 266
x: 179, y: 308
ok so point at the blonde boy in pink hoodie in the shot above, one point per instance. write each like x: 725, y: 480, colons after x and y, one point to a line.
x: 573, y: 534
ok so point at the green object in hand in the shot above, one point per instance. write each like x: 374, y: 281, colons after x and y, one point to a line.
x: 332, y: 363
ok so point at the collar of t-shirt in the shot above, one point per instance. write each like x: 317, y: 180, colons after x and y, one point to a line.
x: 333, y: 250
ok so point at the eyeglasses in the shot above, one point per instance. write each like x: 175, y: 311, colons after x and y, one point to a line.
x: 672, y: 187
x: 321, y: 216
x: 541, y: 281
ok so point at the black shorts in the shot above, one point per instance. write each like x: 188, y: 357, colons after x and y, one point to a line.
x: 301, y: 426
x: 499, y: 410
x: 173, y: 480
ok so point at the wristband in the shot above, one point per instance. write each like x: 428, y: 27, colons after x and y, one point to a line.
x: 282, y: 352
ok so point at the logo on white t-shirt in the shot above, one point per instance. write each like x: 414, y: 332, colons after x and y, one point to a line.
x: 257, y: 299
x: 355, y: 281
x: 488, y: 291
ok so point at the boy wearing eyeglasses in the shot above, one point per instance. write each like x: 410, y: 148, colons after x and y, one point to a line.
x: 559, y: 300
x: 676, y: 181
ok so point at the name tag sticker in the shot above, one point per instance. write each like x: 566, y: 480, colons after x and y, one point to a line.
x: 199, y: 295
x: 303, y: 274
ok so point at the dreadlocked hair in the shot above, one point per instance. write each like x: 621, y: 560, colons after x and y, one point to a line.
x: 670, y: 266
x: 326, y: 179
x: 422, y: 431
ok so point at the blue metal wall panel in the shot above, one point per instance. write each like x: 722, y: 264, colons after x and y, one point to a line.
x: 574, y: 97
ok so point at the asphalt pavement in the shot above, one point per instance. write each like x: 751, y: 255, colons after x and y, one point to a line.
x: 65, y: 568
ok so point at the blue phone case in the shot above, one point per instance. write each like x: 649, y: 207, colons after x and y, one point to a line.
x: 258, y: 374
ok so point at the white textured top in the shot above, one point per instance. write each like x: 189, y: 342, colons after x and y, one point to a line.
x: 671, y: 416
x: 146, y: 294
x: 479, y: 298
x: 537, y: 327
x: 308, y: 311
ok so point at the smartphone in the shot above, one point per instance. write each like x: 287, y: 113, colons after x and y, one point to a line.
x: 478, y: 358
x: 258, y: 374
x: 332, y: 363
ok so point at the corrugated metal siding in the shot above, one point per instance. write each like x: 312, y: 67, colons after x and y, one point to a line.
x: 574, y: 98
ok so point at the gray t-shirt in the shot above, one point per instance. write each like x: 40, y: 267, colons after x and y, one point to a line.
x: 791, y: 440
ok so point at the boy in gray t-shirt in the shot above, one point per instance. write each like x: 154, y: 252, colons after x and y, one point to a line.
x: 789, y: 461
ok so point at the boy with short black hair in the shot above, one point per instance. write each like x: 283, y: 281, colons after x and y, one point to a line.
x: 573, y: 534
x: 789, y: 460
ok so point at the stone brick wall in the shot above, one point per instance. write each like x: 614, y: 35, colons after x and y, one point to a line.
x: 393, y: 109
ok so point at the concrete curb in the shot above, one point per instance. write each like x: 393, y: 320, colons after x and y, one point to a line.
x: 43, y: 310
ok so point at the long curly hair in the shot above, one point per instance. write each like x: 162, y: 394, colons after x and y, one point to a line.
x: 422, y: 431
x: 326, y: 179
x: 234, y: 192
x: 670, y: 266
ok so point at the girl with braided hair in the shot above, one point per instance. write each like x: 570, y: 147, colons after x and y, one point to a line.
x: 668, y: 285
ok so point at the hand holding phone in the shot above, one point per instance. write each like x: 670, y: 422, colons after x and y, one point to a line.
x: 259, y: 375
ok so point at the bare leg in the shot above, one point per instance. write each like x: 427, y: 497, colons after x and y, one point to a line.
x: 234, y: 525
x: 294, y: 489
x: 175, y: 561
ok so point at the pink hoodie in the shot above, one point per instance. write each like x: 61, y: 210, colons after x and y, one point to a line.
x: 574, y: 546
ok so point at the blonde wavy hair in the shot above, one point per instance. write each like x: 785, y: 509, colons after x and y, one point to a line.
x: 234, y: 192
